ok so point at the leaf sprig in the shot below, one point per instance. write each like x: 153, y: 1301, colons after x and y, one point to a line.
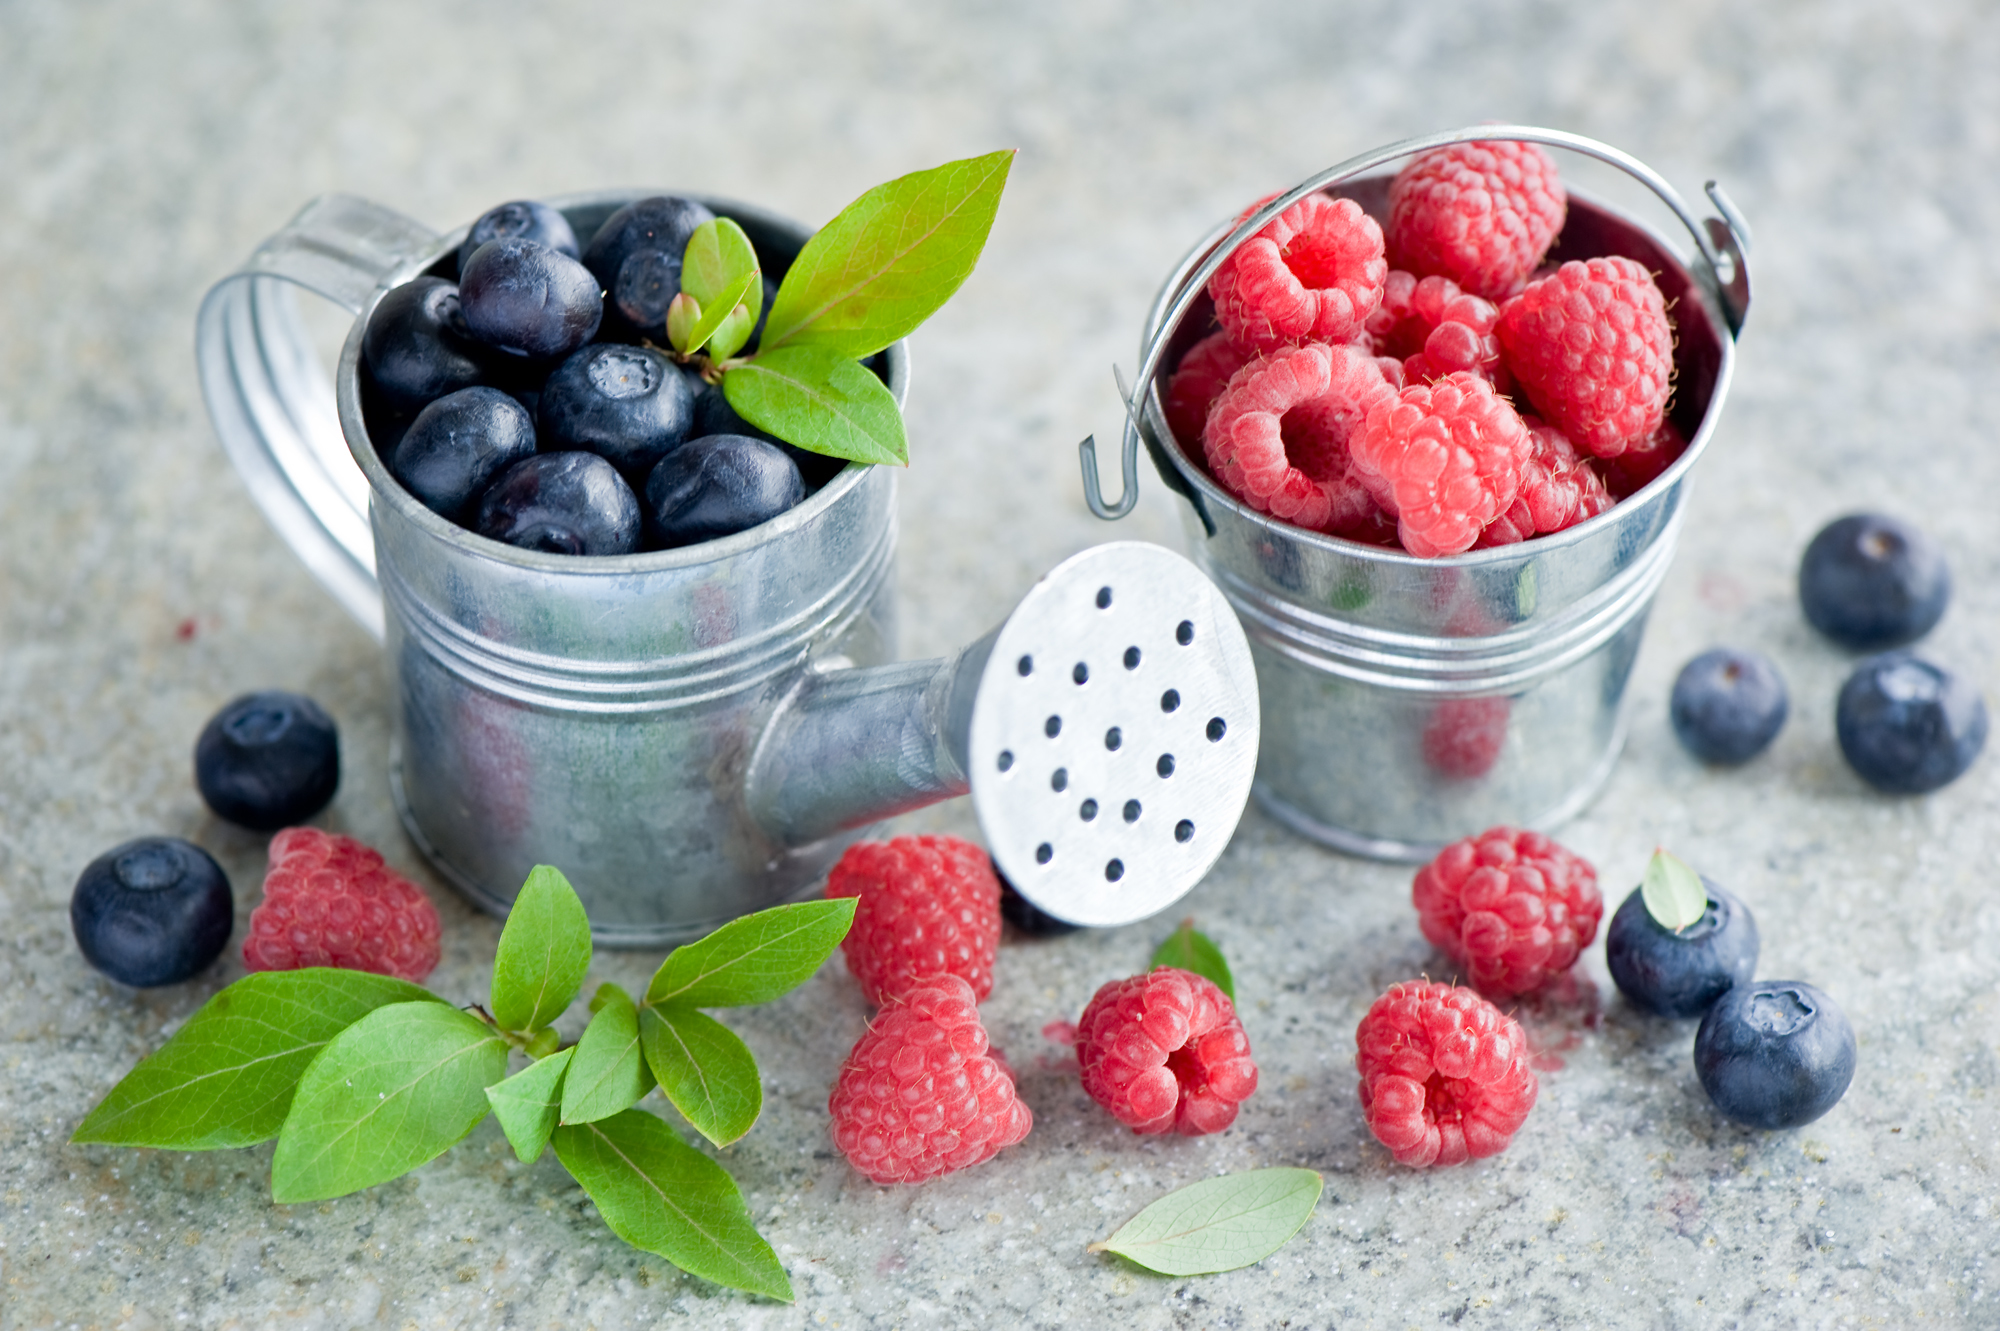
x: 1673, y: 892
x: 1218, y: 1224
x: 362, y: 1078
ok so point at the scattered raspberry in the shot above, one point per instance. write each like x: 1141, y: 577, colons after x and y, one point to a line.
x: 1444, y: 1075
x: 1314, y: 273
x: 1165, y: 1051
x: 1436, y: 328
x: 1512, y: 907
x: 1464, y: 736
x: 1558, y: 490
x: 920, y: 1095
x: 1445, y: 458
x: 1641, y: 463
x: 1482, y: 214
x: 930, y: 905
x: 1197, y: 382
x: 1279, y: 435
x: 331, y: 901
x: 1592, y: 346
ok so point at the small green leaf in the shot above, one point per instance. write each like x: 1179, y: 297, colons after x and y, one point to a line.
x: 608, y: 1071
x: 820, y: 400
x: 721, y: 310
x: 709, y: 1074
x: 662, y: 1196
x: 528, y: 1104
x: 734, y: 331
x: 1218, y: 1224
x: 683, y: 312
x: 1673, y: 892
x: 1194, y: 951
x: 890, y: 259
x: 395, y: 1089
x: 753, y: 959
x: 543, y: 954
x: 226, y: 1077
x: 719, y: 260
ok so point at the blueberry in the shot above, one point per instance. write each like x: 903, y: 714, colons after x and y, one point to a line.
x: 457, y: 445
x: 717, y: 485
x: 529, y: 300
x: 1907, y: 726
x: 636, y: 255
x: 417, y: 346
x: 268, y: 760
x: 1869, y: 582
x: 629, y: 405
x: 526, y: 219
x: 714, y: 415
x: 1774, y: 1054
x: 1728, y: 706
x: 1681, y: 974
x: 564, y: 504
x: 152, y: 911
x: 1026, y: 916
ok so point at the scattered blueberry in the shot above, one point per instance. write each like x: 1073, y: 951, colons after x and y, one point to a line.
x: 636, y: 256
x: 268, y: 760
x: 1907, y: 726
x: 1728, y: 705
x: 1870, y: 582
x: 718, y: 485
x: 529, y: 300
x: 1026, y: 916
x: 564, y: 504
x: 629, y: 405
x: 1681, y: 974
x: 457, y: 445
x: 523, y: 218
x: 152, y: 911
x: 1774, y: 1054
x: 417, y: 346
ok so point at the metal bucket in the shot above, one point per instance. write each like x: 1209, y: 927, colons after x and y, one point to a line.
x: 1407, y: 701
x: 688, y: 734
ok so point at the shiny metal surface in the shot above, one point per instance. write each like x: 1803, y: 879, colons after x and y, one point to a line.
x: 1407, y: 701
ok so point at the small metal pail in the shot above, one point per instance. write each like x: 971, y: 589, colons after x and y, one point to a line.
x: 1408, y: 702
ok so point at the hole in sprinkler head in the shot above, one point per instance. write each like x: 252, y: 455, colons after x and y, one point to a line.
x: 1081, y: 674
x: 1044, y: 853
x: 1060, y: 781
x: 1131, y: 658
x: 1026, y: 665
x: 1165, y: 767
x: 1185, y: 633
x: 1088, y: 811
x: 1217, y: 728
x: 1113, y: 738
x: 1131, y: 811
x: 1052, y: 727
x: 1103, y: 598
x: 1183, y: 830
x: 1006, y: 759
x: 1170, y: 700
x: 1114, y: 871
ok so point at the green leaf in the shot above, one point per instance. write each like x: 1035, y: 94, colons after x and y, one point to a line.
x: 723, y: 309
x: 719, y: 272
x: 226, y: 1078
x: 543, y: 954
x: 662, y: 1196
x: 734, y: 331
x: 608, y: 1071
x: 890, y: 259
x: 1218, y: 1224
x: 397, y: 1088
x: 528, y: 1104
x: 753, y: 959
x: 1673, y: 892
x: 820, y: 400
x: 682, y: 313
x: 709, y: 1074
x: 1194, y: 951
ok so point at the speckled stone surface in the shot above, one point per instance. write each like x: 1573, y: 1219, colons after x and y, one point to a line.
x: 146, y: 149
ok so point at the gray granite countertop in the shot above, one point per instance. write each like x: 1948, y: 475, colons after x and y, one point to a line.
x: 148, y: 148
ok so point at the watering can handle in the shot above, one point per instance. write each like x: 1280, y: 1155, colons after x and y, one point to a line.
x: 268, y: 394
x: 1723, y: 244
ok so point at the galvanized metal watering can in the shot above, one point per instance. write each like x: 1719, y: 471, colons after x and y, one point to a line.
x: 693, y: 734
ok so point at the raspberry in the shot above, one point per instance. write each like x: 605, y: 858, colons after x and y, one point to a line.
x: 331, y: 901
x: 1197, y: 382
x: 1315, y: 273
x: 930, y: 906
x: 1512, y: 907
x: 1445, y: 458
x: 1444, y: 1074
x: 1433, y: 327
x: 1641, y: 463
x: 1592, y: 346
x: 1481, y: 214
x: 1165, y: 1051
x: 1463, y: 736
x: 1558, y: 490
x: 920, y: 1095
x: 1278, y: 437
